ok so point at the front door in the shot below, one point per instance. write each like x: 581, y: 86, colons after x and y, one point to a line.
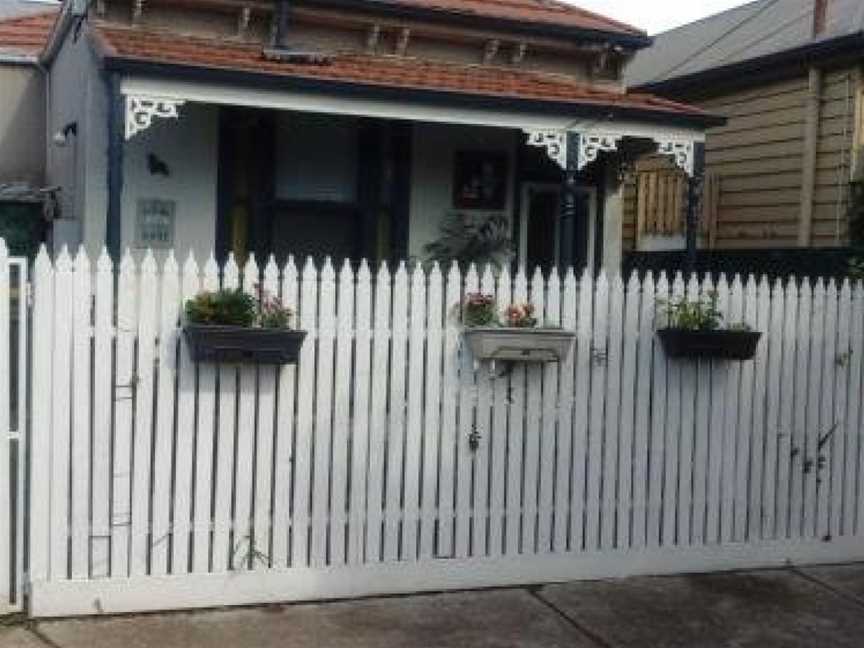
x: 546, y: 239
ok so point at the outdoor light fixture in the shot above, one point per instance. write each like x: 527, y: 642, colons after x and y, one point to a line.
x: 61, y: 137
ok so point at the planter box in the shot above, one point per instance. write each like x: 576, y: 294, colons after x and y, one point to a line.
x: 729, y: 345
x: 211, y: 343
x: 519, y: 345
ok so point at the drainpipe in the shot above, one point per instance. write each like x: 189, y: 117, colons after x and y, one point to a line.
x: 812, y: 117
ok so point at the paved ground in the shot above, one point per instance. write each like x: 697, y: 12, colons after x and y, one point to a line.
x: 813, y: 608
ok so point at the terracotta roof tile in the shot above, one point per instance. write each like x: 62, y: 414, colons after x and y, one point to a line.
x: 26, y: 35
x: 554, y: 13
x: 375, y: 71
x: 538, y: 11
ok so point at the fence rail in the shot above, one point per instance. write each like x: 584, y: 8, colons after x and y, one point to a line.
x: 387, y: 460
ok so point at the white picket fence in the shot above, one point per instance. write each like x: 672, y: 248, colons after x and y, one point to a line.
x: 387, y: 461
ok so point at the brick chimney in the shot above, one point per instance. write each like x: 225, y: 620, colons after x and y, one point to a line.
x: 820, y: 16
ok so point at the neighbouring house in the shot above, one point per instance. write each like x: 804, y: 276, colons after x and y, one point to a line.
x: 24, y: 29
x: 787, y: 75
x: 351, y: 129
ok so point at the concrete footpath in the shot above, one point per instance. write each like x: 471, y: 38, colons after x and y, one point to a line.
x: 813, y: 608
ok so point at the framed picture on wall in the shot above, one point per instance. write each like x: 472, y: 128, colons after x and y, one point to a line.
x: 480, y: 180
x: 154, y: 227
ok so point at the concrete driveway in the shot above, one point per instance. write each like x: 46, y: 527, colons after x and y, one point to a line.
x: 813, y: 608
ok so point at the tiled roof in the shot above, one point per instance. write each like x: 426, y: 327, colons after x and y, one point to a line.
x: 553, y: 12
x: 26, y: 35
x: 137, y: 45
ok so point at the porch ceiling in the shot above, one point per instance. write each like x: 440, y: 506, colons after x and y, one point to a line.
x: 403, y: 79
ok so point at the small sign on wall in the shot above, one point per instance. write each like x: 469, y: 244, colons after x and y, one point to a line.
x: 154, y: 227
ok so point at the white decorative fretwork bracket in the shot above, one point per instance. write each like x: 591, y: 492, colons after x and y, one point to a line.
x: 142, y: 110
x: 593, y: 143
x: 590, y: 145
x: 681, y: 151
x: 554, y: 141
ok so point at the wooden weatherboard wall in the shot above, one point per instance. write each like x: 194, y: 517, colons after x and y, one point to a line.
x: 760, y: 159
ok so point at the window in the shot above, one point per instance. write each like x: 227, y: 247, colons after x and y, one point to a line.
x: 316, y: 158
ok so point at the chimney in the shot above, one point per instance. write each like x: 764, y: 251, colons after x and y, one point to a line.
x: 820, y: 16
x: 283, y: 8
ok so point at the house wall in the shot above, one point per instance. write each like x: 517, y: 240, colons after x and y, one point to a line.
x: 77, y: 94
x: 758, y: 157
x: 190, y: 149
x: 22, y: 124
x: 434, y: 149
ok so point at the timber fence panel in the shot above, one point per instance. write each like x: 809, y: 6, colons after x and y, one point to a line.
x: 414, y: 415
x: 165, y: 409
x: 283, y: 464
x: 432, y: 416
x: 80, y: 438
x: 223, y: 477
x: 395, y: 444
x: 498, y: 440
x: 340, y: 466
x: 391, y: 459
x: 205, y: 438
x: 378, y: 417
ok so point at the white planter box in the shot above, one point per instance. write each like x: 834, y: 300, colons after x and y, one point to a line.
x: 520, y: 345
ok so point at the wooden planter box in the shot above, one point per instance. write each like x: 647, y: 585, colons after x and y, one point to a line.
x: 728, y: 345
x: 212, y: 343
x: 519, y: 345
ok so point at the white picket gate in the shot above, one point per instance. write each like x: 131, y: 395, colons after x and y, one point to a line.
x: 13, y: 428
x: 386, y: 461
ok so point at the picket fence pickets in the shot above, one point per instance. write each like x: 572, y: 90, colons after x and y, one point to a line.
x: 389, y: 460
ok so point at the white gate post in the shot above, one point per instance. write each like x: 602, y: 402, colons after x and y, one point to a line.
x: 6, y: 485
x: 40, y: 438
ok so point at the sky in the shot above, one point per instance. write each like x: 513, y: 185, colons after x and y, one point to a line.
x: 657, y: 15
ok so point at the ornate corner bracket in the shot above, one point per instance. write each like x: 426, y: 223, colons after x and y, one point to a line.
x: 681, y: 152
x: 142, y: 110
x: 554, y: 141
x: 591, y: 145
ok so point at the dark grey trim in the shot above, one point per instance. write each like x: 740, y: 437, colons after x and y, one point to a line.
x: 440, y: 97
x: 763, y: 68
x: 695, y: 190
x: 116, y: 122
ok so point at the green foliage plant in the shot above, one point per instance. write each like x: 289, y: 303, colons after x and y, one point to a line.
x: 479, y: 310
x: 699, y: 315
x: 465, y: 240
x: 222, y: 307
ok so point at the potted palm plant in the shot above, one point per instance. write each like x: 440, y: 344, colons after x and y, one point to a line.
x: 232, y: 326
x: 519, y: 338
x: 695, y: 330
